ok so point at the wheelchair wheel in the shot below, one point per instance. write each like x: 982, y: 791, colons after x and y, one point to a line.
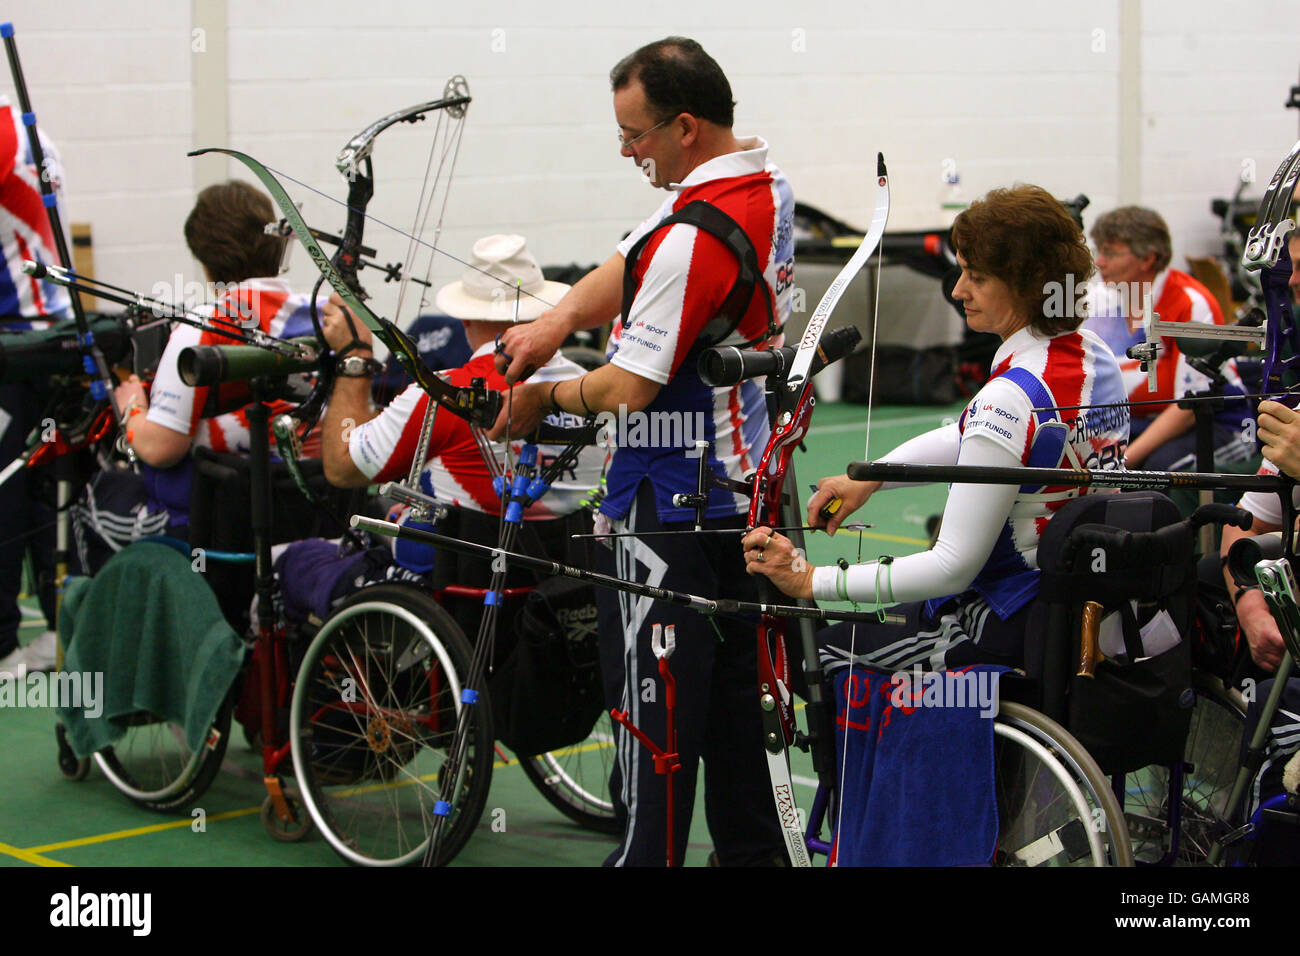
x: 1055, y: 807
x: 1210, y: 762
x: 154, y: 766
x: 575, y: 780
x: 372, y: 720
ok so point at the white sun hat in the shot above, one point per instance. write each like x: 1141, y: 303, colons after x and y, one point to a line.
x: 485, y: 291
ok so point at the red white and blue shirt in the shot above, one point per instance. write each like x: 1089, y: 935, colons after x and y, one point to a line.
x: 1051, y: 374
x: 1176, y: 297
x: 384, y: 447
x: 1001, y: 427
x: 25, y: 231
x: 683, y: 275
x: 188, y: 409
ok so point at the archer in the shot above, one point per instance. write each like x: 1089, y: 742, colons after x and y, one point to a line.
x: 677, y: 285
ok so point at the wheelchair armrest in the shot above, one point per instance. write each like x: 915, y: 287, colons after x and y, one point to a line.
x: 1221, y: 514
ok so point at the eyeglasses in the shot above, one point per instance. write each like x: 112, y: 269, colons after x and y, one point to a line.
x: 629, y: 143
x: 1113, y: 251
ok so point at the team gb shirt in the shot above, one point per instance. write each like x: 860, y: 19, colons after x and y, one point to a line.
x: 185, y: 408
x: 683, y: 274
x: 1030, y: 372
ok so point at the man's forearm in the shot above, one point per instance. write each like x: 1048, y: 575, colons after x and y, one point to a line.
x: 1168, y: 425
x: 606, y: 389
x: 349, y: 406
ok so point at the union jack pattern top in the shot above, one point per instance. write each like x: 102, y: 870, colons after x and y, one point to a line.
x: 1000, y: 428
x: 271, y: 306
x: 384, y: 447
x: 25, y: 231
x: 1049, y: 373
x: 683, y: 276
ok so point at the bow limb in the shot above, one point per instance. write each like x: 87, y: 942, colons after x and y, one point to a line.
x: 455, y: 99
x: 802, y: 364
x: 476, y: 405
x: 795, y: 404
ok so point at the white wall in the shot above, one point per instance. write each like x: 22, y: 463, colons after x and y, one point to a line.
x: 1007, y: 89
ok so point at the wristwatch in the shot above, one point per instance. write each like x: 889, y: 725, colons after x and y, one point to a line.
x: 357, y: 366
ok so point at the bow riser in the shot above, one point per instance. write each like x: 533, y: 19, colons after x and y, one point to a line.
x: 795, y: 401
x: 1280, y: 373
x: 1265, y: 253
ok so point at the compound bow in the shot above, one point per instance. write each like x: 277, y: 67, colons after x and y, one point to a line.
x: 475, y: 403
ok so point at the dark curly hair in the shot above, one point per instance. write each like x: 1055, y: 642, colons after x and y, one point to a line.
x: 678, y: 77
x: 226, y: 232
x: 1025, y: 237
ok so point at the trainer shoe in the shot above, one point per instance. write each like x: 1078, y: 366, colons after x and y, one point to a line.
x: 12, y: 666
x: 42, y: 653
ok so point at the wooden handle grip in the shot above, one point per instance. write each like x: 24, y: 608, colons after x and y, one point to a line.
x: 1089, y: 651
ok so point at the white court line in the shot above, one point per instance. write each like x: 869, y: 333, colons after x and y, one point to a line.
x: 862, y: 426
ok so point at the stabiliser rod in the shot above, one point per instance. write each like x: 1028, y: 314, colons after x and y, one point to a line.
x: 1126, y: 480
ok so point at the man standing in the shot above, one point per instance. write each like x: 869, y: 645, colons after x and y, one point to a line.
x: 673, y: 285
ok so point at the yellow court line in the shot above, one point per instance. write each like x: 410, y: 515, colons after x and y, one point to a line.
x: 896, y: 538
x: 139, y: 831
x: 29, y: 856
x: 177, y: 824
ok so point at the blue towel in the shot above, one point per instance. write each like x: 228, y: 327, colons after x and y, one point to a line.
x: 309, y: 572
x: 919, y: 790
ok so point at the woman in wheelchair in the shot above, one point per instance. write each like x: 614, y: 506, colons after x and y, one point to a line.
x: 967, y: 600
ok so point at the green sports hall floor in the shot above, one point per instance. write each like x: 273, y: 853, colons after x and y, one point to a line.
x: 46, y: 820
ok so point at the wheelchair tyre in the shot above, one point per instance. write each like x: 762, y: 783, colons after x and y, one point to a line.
x: 575, y: 780
x: 155, y: 768
x: 72, y: 768
x: 1055, y: 806
x: 285, y: 831
x: 371, y: 724
x: 1211, y: 758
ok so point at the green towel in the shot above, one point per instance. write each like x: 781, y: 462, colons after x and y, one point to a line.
x: 152, y: 627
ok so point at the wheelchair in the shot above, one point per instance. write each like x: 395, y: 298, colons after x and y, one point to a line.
x: 370, y: 763
x: 1117, y: 759
x: 365, y: 725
